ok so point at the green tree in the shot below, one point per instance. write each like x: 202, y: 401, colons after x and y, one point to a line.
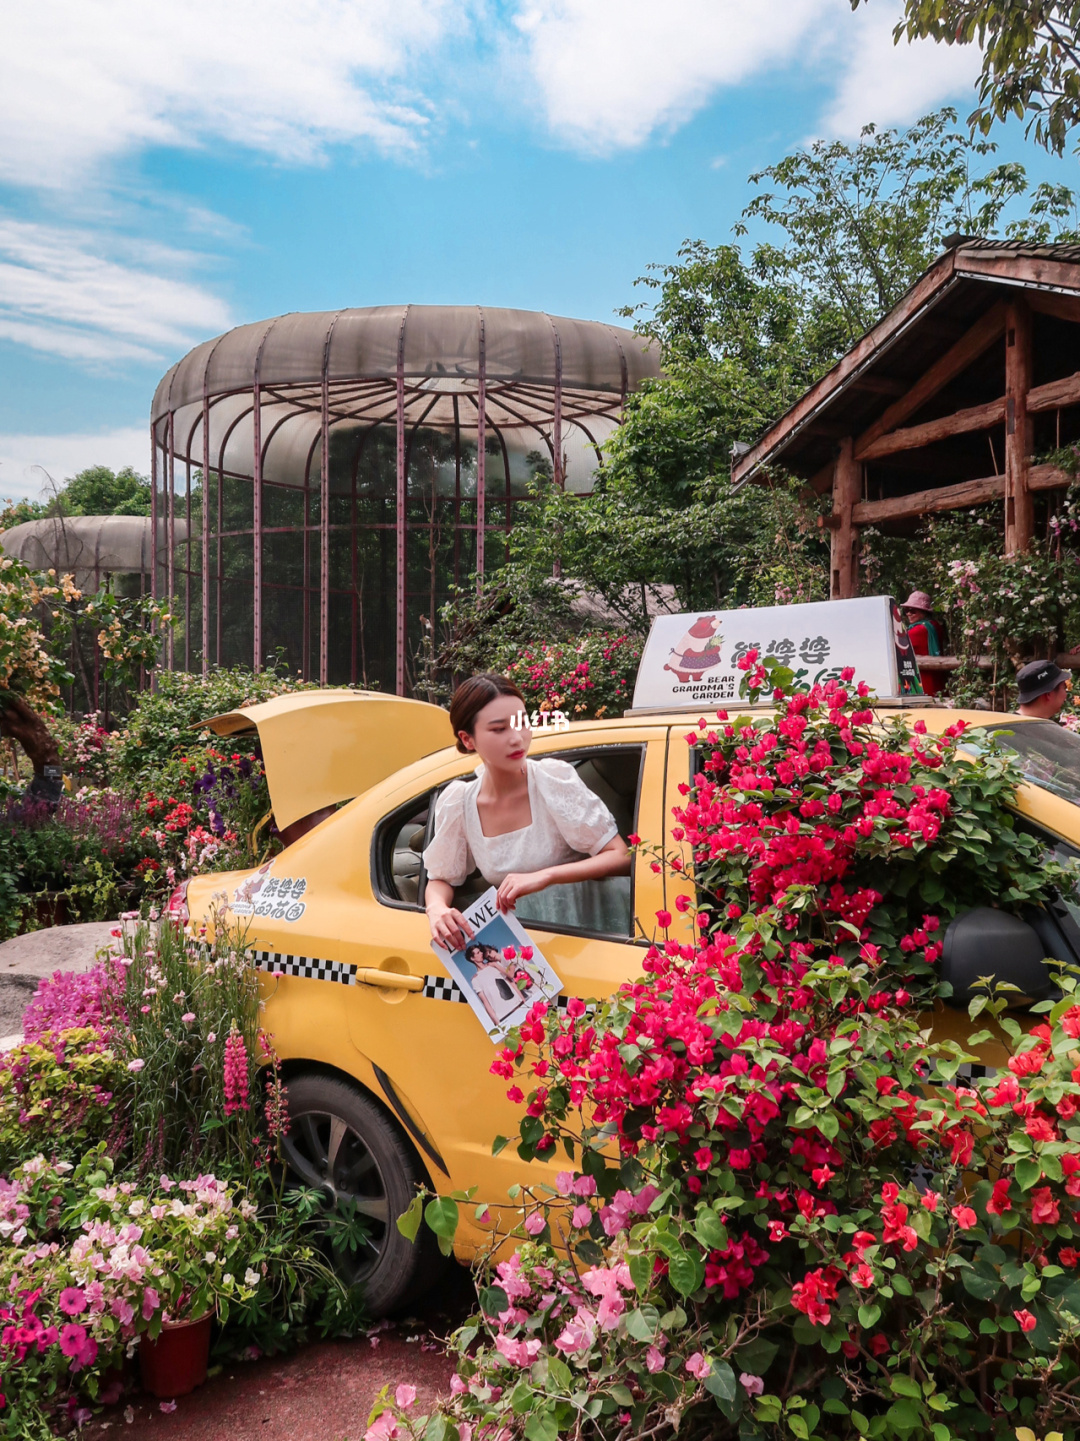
x: 1030, y: 58
x: 859, y: 223
x: 844, y: 231
x: 101, y: 491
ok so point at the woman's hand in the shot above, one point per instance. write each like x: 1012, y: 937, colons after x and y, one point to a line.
x: 448, y: 926
x: 521, y: 883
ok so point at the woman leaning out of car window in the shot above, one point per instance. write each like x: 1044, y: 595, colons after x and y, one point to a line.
x: 526, y: 825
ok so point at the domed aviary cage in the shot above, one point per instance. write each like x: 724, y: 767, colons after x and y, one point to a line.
x: 321, y: 481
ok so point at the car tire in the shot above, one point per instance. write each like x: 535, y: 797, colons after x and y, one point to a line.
x: 341, y: 1141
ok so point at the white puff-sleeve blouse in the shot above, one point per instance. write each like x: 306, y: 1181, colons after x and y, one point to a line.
x: 568, y: 823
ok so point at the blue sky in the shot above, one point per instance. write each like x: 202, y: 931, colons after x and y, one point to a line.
x: 169, y: 170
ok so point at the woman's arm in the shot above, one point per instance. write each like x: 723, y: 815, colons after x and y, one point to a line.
x: 448, y: 926
x: 612, y: 860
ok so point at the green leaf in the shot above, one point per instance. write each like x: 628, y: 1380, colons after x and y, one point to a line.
x: 638, y: 1326
x: 721, y: 1383
x: 685, y: 1272
x: 1028, y: 1173
x: 493, y: 1300
x: 408, y: 1223
x: 439, y: 1428
x: 904, y: 1386
x: 904, y: 1416
x: 869, y: 1315
x: 541, y: 1425
x: 983, y: 1288
x: 641, y: 1271
x: 441, y: 1215
x: 709, y: 1228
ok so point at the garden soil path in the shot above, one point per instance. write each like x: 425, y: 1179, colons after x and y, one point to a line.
x: 322, y: 1392
x: 27, y: 959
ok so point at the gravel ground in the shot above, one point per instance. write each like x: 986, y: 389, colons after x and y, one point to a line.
x: 25, y: 960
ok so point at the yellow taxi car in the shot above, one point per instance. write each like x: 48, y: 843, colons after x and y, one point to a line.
x: 388, y: 1070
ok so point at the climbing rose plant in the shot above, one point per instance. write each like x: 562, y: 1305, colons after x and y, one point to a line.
x: 787, y: 1212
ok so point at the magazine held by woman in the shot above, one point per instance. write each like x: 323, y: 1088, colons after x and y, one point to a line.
x: 499, y: 971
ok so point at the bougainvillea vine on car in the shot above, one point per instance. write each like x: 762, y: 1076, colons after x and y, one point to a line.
x: 787, y: 1212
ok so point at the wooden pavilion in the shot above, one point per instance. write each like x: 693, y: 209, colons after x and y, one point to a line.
x: 945, y: 403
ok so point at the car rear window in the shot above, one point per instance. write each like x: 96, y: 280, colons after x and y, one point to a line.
x: 1049, y: 754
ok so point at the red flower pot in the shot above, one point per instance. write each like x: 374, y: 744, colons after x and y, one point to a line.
x: 176, y: 1362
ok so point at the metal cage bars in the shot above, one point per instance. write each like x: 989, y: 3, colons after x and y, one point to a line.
x: 335, y: 408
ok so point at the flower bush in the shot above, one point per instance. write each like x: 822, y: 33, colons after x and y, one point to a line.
x: 590, y: 675
x: 150, y: 1067
x: 90, y: 1263
x: 57, y: 1093
x: 787, y: 1213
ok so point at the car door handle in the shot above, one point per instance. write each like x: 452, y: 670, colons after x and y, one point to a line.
x: 390, y: 980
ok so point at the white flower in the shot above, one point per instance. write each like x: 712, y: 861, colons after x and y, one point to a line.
x: 251, y: 1277
x: 210, y: 1258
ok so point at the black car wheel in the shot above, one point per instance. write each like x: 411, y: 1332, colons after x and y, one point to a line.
x: 340, y: 1141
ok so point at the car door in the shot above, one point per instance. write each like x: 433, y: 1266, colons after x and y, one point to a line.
x: 428, y: 1044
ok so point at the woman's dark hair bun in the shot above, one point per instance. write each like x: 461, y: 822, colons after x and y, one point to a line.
x: 472, y: 696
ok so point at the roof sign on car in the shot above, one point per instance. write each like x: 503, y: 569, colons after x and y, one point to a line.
x: 692, y: 660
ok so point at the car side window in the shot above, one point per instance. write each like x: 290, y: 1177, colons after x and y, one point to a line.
x: 1063, y: 912
x: 398, y: 852
x: 604, y: 907
x: 598, y: 908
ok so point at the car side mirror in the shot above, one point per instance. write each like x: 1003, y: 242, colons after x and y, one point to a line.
x: 989, y: 943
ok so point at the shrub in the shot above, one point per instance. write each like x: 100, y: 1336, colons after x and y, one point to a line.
x: 57, y: 1096
x: 165, y: 722
x: 778, y: 1227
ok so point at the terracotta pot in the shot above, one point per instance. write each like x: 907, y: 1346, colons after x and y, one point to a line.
x: 177, y: 1361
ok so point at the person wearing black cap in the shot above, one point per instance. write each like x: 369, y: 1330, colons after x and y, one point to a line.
x: 1042, y: 688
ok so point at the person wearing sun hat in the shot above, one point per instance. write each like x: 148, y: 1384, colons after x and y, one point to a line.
x: 1042, y: 689
x: 924, y: 635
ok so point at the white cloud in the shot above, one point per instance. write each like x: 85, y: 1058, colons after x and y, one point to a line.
x: 83, y: 81
x: 611, y: 74
x: 894, y: 84
x: 59, y: 293
x: 29, y: 464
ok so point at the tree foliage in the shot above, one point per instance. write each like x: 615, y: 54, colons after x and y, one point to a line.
x: 1030, y: 58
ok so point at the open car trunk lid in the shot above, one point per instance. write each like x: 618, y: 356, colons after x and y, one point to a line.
x: 321, y: 747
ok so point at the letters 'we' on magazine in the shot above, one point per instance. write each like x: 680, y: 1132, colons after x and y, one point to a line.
x: 500, y: 972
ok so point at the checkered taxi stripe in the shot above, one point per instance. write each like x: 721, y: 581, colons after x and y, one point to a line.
x: 308, y: 967
x: 436, y: 988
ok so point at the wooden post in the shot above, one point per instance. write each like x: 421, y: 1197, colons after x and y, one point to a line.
x: 847, y: 493
x: 1019, y: 437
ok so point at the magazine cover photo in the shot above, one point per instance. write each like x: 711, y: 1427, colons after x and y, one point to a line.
x: 499, y: 971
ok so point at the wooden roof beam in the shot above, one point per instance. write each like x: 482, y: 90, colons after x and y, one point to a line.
x: 1051, y: 396
x: 952, y: 497
x: 976, y: 417
x: 987, y: 329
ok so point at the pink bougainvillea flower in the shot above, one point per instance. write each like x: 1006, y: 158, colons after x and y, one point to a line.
x: 698, y: 1365
x: 405, y: 1395
x: 654, y: 1359
x: 535, y: 1223
x: 752, y: 1385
